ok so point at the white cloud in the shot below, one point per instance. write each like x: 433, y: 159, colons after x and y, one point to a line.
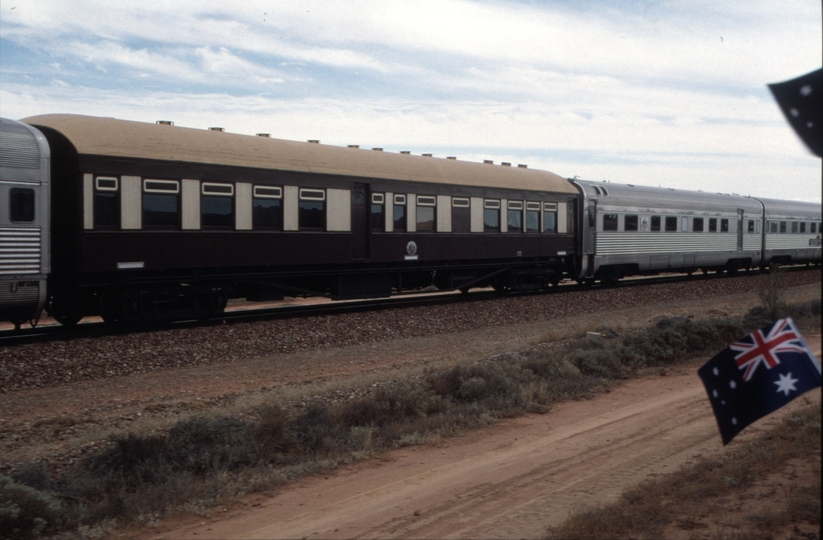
x: 659, y: 91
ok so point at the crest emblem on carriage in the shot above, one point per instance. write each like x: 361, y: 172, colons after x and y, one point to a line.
x: 411, y: 248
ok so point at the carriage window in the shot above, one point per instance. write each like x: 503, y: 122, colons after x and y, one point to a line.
x: 217, y: 205
x: 609, y: 222
x: 656, y: 223
x: 713, y: 225
x: 491, y: 216
x: 813, y: 229
x: 630, y: 222
x: 399, y: 213
x: 671, y: 223
x: 312, y: 209
x: 161, y: 204
x: 697, y: 224
x: 782, y: 227
x: 724, y: 225
x: 106, y: 203
x: 751, y: 226
x: 549, y: 217
x: 802, y: 227
x: 514, y: 216
x: 425, y: 213
x: 378, y: 211
x: 461, y: 215
x: 267, y: 207
x: 794, y: 227
x: 532, y: 217
x: 21, y: 204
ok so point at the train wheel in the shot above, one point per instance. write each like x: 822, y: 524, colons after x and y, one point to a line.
x: 68, y: 319
x: 110, y: 309
x: 60, y: 312
x: 218, y: 302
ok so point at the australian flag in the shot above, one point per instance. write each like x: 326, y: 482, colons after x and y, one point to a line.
x: 757, y: 375
x: 801, y: 101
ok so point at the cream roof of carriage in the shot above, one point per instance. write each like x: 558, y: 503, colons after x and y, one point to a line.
x: 121, y: 138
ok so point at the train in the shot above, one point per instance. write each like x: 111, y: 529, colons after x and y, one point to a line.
x: 134, y: 221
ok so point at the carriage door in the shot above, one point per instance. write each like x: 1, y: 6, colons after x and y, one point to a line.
x: 589, y: 235
x: 739, y: 229
x: 590, y: 228
x: 360, y: 221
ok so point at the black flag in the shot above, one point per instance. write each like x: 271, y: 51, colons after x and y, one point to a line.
x: 801, y: 101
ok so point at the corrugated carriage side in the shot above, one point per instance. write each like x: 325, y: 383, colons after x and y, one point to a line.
x: 24, y: 221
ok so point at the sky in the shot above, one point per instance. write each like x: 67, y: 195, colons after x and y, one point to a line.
x: 660, y: 93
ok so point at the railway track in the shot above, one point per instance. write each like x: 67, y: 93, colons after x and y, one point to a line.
x: 95, y: 327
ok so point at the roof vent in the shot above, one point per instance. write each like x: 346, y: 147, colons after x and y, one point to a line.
x: 354, y: 146
x: 377, y: 149
x: 216, y: 129
x: 263, y: 135
x: 522, y: 166
x: 506, y: 164
x: 452, y: 157
x: 315, y: 141
x: 488, y: 162
x: 405, y: 152
x: 427, y: 155
x: 165, y: 122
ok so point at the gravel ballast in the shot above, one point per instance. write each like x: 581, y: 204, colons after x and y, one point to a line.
x: 57, y: 363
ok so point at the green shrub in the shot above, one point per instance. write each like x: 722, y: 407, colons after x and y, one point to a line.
x: 28, y: 513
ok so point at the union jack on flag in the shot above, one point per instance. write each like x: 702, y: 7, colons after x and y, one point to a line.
x: 741, y: 393
x: 761, y: 348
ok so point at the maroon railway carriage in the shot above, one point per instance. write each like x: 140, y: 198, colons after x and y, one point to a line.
x: 153, y: 221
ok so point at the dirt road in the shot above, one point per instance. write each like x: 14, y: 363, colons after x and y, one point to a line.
x: 509, y: 481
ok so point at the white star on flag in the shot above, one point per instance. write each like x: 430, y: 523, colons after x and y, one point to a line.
x: 786, y: 384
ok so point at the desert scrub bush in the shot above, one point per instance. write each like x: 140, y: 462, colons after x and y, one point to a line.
x: 496, y: 386
x: 402, y: 402
x: 26, y: 512
x: 805, y: 314
x: 685, y: 337
x: 771, y: 292
x: 671, y: 341
x: 197, y: 446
